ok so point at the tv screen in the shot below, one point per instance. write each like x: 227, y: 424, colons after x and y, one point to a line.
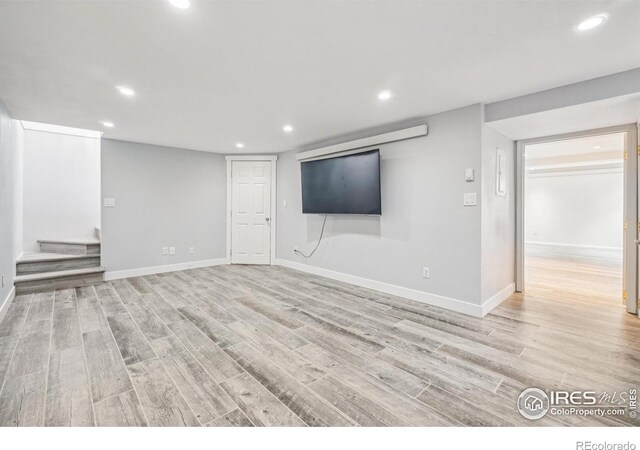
x: 343, y: 185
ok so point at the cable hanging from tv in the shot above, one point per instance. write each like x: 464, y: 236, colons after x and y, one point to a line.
x: 319, y: 240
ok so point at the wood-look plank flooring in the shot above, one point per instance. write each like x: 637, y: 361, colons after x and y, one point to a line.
x: 269, y: 346
x: 595, y: 280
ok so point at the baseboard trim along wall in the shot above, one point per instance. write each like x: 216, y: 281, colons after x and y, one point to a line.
x: 119, y: 274
x: 392, y: 289
x: 573, y: 250
x: 7, y: 302
x: 498, y: 298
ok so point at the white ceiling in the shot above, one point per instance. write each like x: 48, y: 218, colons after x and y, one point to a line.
x: 223, y: 72
x: 605, y: 146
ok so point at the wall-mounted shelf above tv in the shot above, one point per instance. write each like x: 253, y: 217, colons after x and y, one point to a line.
x: 392, y: 136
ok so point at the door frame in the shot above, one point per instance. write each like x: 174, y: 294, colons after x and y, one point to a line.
x: 631, y: 224
x: 274, y: 203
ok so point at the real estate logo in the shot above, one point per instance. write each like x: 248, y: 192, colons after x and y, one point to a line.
x: 533, y: 403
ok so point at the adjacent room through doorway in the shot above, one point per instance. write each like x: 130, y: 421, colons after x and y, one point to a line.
x: 574, y: 217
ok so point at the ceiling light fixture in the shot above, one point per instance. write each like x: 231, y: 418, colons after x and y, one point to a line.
x: 384, y: 95
x: 596, y: 147
x: 106, y: 123
x: 239, y: 145
x: 287, y: 128
x: 180, y: 4
x: 126, y: 91
x: 592, y: 22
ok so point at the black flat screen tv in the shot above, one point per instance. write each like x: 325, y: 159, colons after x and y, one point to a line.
x: 342, y: 185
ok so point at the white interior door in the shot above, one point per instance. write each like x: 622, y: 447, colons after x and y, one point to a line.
x: 250, y: 212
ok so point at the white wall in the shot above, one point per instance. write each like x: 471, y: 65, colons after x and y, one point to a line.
x: 10, y: 201
x: 578, y: 208
x: 164, y: 197
x: 423, y: 222
x: 61, y: 187
x: 498, y: 216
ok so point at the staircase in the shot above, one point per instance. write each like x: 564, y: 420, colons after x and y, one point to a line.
x: 59, y: 264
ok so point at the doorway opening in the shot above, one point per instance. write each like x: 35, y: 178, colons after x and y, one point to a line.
x: 574, y: 218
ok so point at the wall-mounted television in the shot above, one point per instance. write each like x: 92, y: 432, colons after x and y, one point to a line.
x: 347, y: 184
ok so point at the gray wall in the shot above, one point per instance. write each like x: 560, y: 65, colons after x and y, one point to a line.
x: 164, y: 197
x: 10, y: 199
x: 423, y: 221
x: 498, y: 216
x: 610, y: 86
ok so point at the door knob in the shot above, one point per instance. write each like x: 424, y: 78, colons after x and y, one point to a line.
x: 267, y: 219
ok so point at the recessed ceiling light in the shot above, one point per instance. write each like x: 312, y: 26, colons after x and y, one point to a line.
x: 287, y: 128
x: 106, y: 123
x: 181, y: 4
x: 126, y: 91
x: 384, y: 95
x: 239, y: 145
x: 592, y: 22
x: 596, y: 147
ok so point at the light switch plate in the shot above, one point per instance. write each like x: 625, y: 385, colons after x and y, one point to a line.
x: 172, y: 250
x: 470, y: 199
x: 469, y: 175
x: 109, y: 202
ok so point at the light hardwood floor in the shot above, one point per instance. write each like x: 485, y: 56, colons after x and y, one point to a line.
x: 260, y: 345
x: 592, y: 280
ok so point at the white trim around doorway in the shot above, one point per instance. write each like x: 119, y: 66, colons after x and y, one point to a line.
x: 630, y: 250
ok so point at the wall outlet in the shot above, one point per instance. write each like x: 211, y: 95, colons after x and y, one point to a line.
x: 284, y: 203
x: 109, y: 202
x: 172, y: 250
x: 165, y: 250
x: 192, y: 250
x: 425, y: 272
x: 295, y: 248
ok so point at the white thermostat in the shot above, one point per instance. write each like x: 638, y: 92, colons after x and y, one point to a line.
x: 469, y: 175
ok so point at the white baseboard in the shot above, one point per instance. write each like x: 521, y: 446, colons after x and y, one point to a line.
x: 118, y: 274
x: 7, y: 302
x: 562, y: 244
x: 558, y: 249
x: 498, y: 298
x: 392, y: 289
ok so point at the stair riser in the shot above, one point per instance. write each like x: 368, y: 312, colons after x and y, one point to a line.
x: 25, y: 268
x: 29, y: 287
x: 70, y: 249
